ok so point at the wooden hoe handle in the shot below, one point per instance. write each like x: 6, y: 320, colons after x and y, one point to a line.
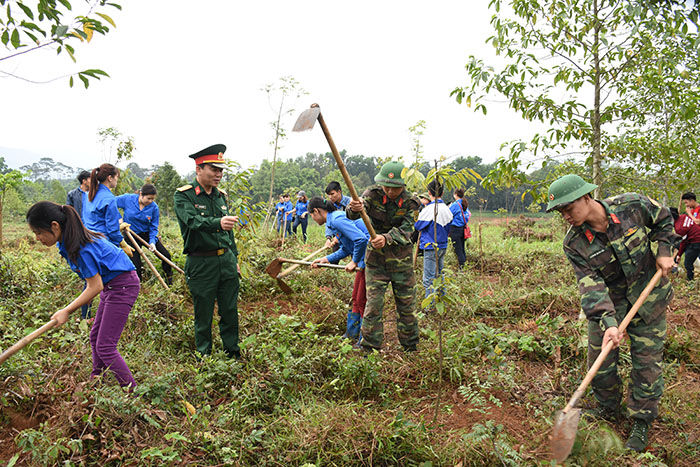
x: 158, y: 253
x: 26, y: 340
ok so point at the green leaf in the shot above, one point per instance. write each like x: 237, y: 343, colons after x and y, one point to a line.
x: 84, y: 79
x: 70, y: 82
x: 15, y: 39
x: 5, y: 38
x: 106, y: 18
x: 66, y: 4
x: 61, y: 30
x: 27, y: 11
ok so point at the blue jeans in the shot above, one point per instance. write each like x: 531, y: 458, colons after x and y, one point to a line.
x: 429, y: 274
x: 303, y: 221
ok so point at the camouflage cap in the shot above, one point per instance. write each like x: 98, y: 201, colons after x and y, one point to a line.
x: 390, y: 174
x: 567, y: 189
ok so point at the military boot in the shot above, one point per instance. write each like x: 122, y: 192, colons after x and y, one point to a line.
x: 638, y: 436
x: 603, y: 412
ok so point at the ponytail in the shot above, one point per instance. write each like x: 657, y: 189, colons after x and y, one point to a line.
x: 74, y: 235
x: 459, y: 193
x: 320, y: 203
x: 99, y: 175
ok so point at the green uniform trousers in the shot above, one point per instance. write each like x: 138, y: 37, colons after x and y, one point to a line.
x: 213, y: 278
x: 378, y: 276
x: 646, y: 378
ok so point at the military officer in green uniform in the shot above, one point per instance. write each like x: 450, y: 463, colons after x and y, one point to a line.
x: 388, y: 259
x: 609, y: 247
x: 211, y: 269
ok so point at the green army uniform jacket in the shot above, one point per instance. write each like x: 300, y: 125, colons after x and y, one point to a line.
x: 614, y: 267
x: 199, y: 216
x: 394, y: 220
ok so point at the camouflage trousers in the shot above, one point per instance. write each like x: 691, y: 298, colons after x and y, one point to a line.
x: 646, y: 378
x: 402, y: 282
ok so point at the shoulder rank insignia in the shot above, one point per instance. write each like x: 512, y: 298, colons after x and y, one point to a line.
x: 221, y: 191
x: 184, y: 188
x: 654, y: 202
x: 589, y: 235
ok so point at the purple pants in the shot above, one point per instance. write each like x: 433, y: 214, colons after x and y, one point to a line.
x: 116, y: 300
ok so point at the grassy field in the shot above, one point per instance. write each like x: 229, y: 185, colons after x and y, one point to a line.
x: 513, y: 353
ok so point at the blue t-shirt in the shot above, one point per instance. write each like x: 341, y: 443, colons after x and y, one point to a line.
x: 101, y: 214
x: 428, y: 225
x: 301, y: 207
x: 288, y: 208
x: 352, y: 238
x: 99, y: 257
x: 279, y: 208
x: 457, y: 219
x: 142, y: 220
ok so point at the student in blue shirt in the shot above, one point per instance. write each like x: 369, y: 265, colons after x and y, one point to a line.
x: 460, y: 218
x: 75, y: 199
x: 142, y: 215
x: 335, y: 194
x: 352, y: 239
x: 100, y: 213
x: 286, y: 211
x: 107, y: 271
x: 279, y: 211
x: 301, y: 214
x: 434, y: 231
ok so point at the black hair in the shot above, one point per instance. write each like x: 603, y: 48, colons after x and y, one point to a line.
x: 333, y: 186
x: 286, y: 195
x: 99, y: 175
x: 148, y: 189
x: 320, y: 203
x: 83, y: 175
x: 74, y: 235
x: 689, y: 195
x: 435, y: 189
x: 674, y: 213
x: 460, y: 194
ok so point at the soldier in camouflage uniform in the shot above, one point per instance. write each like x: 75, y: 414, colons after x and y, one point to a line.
x: 609, y: 247
x: 212, y: 268
x: 388, y: 260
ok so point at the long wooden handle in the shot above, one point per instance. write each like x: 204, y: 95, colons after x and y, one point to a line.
x: 294, y: 266
x: 308, y: 263
x: 346, y: 175
x: 608, y: 347
x: 158, y: 253
x: 148, y: 261
x: 26, y: 340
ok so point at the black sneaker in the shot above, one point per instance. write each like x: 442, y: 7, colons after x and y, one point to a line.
x: 638, y: 436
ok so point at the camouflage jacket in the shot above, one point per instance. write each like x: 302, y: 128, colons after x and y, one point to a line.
x: 613, y: 268
x: 391, y: 218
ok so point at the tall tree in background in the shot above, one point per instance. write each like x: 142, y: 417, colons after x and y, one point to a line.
x: 166, y: 180
x: 575, y: 66
x: 278, y: 95
x: 27, y: 28
x: 8, y: 179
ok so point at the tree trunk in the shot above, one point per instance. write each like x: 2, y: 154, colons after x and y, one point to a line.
x: 270, y: 203
x: 595, y: 119
x: 1, y: 200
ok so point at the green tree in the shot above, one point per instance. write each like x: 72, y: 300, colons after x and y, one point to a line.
x: 166, y: 180
x: 26, y: 27
x: 574, y: 65
x: 277, y: 93
x: 9, y: 179
x: 111, y: 138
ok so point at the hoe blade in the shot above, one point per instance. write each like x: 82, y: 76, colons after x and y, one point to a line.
x: 564, y: 434
x: 307, y: 119
x: 274, y: 268
x: 285, y: 288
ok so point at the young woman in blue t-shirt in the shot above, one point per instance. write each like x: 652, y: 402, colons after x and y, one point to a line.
x: 107, y: 270
x: 142, y: 214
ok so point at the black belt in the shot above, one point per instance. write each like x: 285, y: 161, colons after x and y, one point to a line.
x: 218, y: 252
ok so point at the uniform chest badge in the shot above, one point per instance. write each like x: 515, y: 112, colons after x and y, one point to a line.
x: 593, y: 255
x: 200, y: 206
x: 224, y: 208
x: 630, y: 231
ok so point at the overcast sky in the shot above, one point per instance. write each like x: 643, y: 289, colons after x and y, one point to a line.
x: 185, y: 75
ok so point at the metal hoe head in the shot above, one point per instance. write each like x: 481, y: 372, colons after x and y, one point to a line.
x: 273, y: 269
x: 307, y: 119
x: 564, y: 434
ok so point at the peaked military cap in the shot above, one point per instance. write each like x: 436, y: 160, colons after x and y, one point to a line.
x: 213, y: 155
